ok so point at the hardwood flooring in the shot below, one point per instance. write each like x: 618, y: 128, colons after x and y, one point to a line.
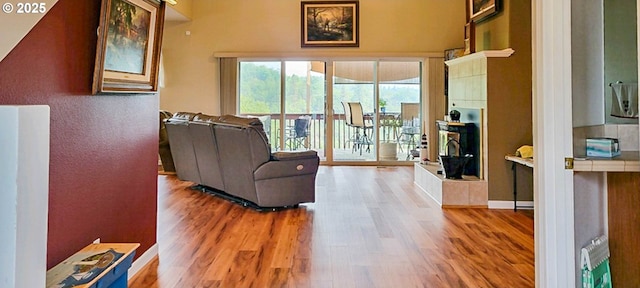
x: 369, y: 227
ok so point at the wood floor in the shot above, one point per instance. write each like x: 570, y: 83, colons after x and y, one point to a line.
x: 369, y: 227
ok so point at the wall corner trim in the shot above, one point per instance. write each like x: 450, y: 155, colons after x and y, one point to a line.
x: 509, y: 204
x: 143, y: 260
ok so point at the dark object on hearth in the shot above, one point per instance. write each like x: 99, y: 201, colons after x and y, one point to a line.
x: 466, y: 135
x: 455, y: 115
x: 452, y: 163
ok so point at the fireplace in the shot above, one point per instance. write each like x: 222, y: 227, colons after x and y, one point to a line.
x: 466, y: 138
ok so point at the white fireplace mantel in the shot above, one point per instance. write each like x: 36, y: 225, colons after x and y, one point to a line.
x: 481, y: 54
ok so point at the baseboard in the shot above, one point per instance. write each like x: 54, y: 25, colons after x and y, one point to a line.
x: 465, y: 206
x: 143, y: 260
x: 509, y: 204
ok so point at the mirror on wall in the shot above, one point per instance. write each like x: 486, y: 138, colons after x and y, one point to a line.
x: 620, y: 62
x: 604, y: 51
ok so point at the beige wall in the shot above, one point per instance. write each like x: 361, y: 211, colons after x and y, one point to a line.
x: 272, y: 28
x: 507, y: 100
x: 14, y: 26
x: 493, y: 34
x: 184, y: 7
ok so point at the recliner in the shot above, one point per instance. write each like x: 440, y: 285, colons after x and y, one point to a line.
x: 184, y: 156
x: 232, y: 155
x: 205, y: 149
x: 163, y: 144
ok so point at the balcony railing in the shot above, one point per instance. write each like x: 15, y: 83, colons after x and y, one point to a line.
x: 317, y: 126
x: 316, y: 138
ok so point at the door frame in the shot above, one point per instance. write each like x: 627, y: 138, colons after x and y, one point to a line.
x: 553, y: 139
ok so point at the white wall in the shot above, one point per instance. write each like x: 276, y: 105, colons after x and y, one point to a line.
x: 590, y: 204
x: 24, y: 187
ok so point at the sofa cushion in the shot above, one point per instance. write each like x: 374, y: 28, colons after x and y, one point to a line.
x: 289, y: 155
x: 184, y: 116
x: 206, y: 118
x: 206, y: 151
x: 265, y: 120
x: 181, y: 146
x: 238, y: 120
x: 246, y: 121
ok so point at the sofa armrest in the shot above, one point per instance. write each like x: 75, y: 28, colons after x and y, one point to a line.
x: 291, y: 155
x: 287, y: 168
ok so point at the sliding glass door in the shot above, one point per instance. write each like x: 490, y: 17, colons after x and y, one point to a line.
x: 386, y: 124
x: 289, y: 97
x: 304, y: 99
x: 399, y: 111
x: 259, y: 93
x: 354, y: 106
x: 369, y: 111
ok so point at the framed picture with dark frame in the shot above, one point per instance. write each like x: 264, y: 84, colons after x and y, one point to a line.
x: 454, y: 53
x: 128, y: 46
x: 329, y: 24
x: 469, y: 38
x: 479, y: 10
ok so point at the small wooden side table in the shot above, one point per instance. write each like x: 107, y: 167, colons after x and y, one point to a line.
x: 113, y: 276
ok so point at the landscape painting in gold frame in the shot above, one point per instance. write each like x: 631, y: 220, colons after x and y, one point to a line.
x: 128, y: 46
x: 480, y: 10
x: 329, y: 24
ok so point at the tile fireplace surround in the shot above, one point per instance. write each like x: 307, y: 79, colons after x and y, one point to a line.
x: 467, y: 192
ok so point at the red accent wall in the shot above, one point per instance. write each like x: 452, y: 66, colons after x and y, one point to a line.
x: 104, y: 149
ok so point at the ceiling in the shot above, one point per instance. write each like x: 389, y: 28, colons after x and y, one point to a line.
x: 171, y: 14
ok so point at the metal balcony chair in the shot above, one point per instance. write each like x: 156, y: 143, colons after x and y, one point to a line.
x: 410, y: 129
x: 298, y: 134
x: 354, y: 117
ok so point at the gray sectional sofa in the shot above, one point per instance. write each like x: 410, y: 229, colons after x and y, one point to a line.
x: 231, y: 156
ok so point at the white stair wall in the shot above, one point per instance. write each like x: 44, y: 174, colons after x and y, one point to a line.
x: 24, y: 195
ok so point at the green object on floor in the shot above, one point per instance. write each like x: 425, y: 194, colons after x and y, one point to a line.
x: 595, y: 264
x: 600, y: 277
